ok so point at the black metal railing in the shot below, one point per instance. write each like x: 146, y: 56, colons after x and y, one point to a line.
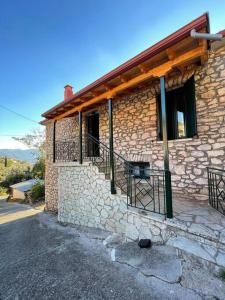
x: 216, y: 186
x: 97, y: 153
x: 67, y: 150
x: 147, y: 190
x: 144, y: 189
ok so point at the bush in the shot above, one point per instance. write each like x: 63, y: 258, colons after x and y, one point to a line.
x: 38, y: 170
x: 222, y: 275
x: 15, y: 176
x: 37, y: 192
x: 3, y: 191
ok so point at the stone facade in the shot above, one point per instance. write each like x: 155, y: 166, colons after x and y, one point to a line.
x: 135, y: 131
x: 135, y: 128
x: 51, y: 172
x: 66, y: 129
x: 85, y: 199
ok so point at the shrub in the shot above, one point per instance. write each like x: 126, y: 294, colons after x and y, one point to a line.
x: 15, y: 176
x: 3, y: 191
x: 37, y: 192
x: 222, y: 275
x: 38, y: 170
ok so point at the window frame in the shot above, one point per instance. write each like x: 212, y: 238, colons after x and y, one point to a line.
x: 187, y: 89
x: 143, y: 166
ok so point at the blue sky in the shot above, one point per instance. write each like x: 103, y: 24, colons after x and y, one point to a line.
x: 47, y: 44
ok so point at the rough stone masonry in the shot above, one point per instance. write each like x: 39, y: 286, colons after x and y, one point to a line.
x: 85, y: 199
x: 135, y: 131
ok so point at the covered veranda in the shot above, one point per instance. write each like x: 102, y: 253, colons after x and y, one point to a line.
x: 176, y: 54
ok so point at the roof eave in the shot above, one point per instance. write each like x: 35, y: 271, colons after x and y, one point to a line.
x: 199, y: 23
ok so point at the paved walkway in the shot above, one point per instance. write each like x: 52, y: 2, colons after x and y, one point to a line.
x: 200, y: 217
x: 40, y: 259
x: 196, y: 217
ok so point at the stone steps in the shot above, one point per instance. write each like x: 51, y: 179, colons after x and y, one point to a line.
x: 198, y: 242
x: 206, y: 249
x: 105, y: 177
x: 205, y: 253
x: 202, y: 245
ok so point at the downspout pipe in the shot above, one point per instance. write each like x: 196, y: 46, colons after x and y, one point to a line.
x: 206, y: 36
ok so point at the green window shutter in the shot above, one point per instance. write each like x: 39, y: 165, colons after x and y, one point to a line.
x: 191, y: 125
x: 159, y: 117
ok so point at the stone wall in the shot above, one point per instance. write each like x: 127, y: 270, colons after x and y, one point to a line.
x: 51, y: 173
x: 135, y: 131
x: 85, y: 199
x: 135, y: 128
x: 66, y: 129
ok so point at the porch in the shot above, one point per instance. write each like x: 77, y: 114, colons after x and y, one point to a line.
x: 199, y: 217
x: 144, y: 187
x: 167, y: 69
x: 85, y: 199
x: 167, y: 102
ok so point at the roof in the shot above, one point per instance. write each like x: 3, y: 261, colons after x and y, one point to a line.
x: 25, y: 185
x: 201, y: 23
x: 222, y: 32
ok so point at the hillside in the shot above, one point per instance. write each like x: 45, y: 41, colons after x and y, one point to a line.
x: 12, y: 164
x: 29, y: 155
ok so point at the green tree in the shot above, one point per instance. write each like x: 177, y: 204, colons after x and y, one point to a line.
x: 36, y: 140
x: 13, y: 165
x: 16, y: 176
x: 38, y: 170
x: 37, y: 192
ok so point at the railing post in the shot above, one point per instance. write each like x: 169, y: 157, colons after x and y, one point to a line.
x: 53, y: 140
x: 169, y: 205
x: 111, y: 155
x: 80, y: 138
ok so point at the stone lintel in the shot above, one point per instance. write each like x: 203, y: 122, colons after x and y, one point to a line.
x: 71, y: 164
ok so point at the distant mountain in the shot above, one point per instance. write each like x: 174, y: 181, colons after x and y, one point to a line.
x: 29, y: 155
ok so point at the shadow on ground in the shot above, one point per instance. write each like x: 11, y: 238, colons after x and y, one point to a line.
x: 41, y: 259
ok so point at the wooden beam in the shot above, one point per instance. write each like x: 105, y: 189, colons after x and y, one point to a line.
x: 155, y: 72
x: 124, y: 78
x: 95, y: 94
x: 171, y: 54
x: 124, y: 92
x: 204, y: 58
x: 181, y: 69
x: 83, y: 100
x: 143, y: 69
x: 107, y: 87
x: 188, y: 56
x: 203, y: 44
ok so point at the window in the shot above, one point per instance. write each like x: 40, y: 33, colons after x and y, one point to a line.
x: 181, y: 115
x: 140, y: 169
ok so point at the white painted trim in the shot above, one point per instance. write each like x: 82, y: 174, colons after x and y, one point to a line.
x: 176, y: 141
x: 71, y: 164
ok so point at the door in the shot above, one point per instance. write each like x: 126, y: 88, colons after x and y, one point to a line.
x: 93, y: 131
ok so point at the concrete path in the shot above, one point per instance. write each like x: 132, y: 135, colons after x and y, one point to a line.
x: 41, y: 259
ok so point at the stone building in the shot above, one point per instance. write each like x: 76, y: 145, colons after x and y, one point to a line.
x: 116, y: 149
